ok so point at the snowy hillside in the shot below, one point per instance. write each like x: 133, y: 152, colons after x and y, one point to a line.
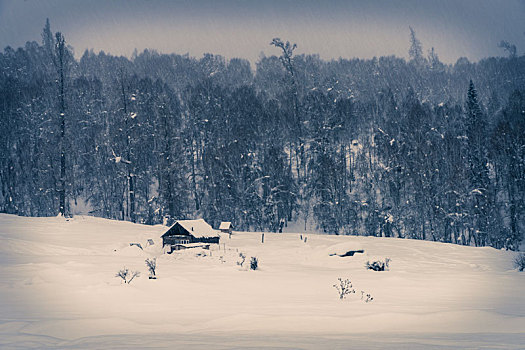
x: 58, y: 289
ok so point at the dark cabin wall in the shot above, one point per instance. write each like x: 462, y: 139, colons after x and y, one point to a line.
x: 178, y: 239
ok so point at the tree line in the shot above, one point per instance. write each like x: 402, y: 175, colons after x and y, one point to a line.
x: 385, y: 146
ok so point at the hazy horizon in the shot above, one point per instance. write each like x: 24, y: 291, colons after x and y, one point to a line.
x: 244, y: 29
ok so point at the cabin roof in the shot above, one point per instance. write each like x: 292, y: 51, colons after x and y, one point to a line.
x: 225, y: 225
x: 197, y: 228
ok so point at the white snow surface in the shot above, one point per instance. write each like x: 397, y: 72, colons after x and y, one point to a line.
x: 58, y: 290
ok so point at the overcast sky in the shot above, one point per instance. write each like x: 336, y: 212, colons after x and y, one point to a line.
x: 332, y: 29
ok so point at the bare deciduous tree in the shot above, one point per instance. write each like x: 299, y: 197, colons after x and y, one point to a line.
x: 125, y: 273
x: 152, y: 266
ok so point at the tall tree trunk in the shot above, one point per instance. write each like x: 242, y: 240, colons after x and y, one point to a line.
x: 194, y: 175
x: 131, y: 190
x: 131, y: 197
x: 60, y: 62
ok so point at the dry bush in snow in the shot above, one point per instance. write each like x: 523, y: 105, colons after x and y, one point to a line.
x: 254, y: 263
x: 378, y: 265
x: 519, y: 262
x: 243, y: 259
x: 344, y: 288
x: 366, y: 297
x: 152, y: 266
x: 125, y: 273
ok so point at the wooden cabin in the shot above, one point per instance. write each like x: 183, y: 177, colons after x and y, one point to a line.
x: 226, y: 227
x: 189, y: 232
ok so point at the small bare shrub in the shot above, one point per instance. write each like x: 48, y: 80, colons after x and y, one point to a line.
x: 366, y: 297
x: 369, y: 298
x: 133, y: 275
x: 243, y: 259
x: 152, y: 266
x: 378, y: 265
x: 344, y: 288
x: 125, y: 273
x: 519, y: 262
x: 254, y: 263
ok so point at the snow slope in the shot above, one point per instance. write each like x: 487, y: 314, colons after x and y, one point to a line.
x: 58, y: 290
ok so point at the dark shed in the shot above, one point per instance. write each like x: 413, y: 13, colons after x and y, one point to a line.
x: 226, y: 227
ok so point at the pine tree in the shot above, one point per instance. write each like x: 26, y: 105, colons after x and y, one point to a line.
x: 416, y: 49
x: 480, y: 191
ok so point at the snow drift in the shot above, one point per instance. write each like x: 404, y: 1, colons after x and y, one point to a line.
x: 58, y: 289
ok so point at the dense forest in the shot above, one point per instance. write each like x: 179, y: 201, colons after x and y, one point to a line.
x: 384, y: 146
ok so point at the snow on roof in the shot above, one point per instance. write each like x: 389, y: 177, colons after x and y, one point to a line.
x: 225, y: 225
x: 198, y: 228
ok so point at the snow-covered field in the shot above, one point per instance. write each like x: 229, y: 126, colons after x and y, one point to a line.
x: 58, y: 290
